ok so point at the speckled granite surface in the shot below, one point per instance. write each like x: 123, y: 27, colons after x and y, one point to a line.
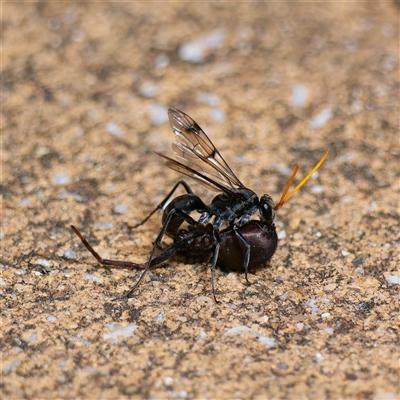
x: 85, y: 91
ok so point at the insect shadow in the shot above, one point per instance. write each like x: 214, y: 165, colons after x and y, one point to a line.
x: 244, y: 243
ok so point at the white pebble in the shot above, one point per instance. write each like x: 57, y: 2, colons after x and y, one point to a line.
x: 299, y: 95
x: 114, y: 129
x: 347, y: 199
x: 168, y: 381
x: 32, y: 338
x: 43, y: 262
x: 20, y: 271
x: 9, y: 367
x: 149, y: 90
x: 202, y: 336
x: 92, y: 278
x: 120, y: 209
x: 321, y: 119
x: 159, y: 114
x: 161, y: 61
x: 70, y: 254
x: 317, y: 189
x: 217, y: 115
x: 359, y: 271
x: 281, y: 234
x: 394, y: 279
x: 80, y: 340
x: 372, y: 206
x: 208, y: 98
x: 318, y: 358
x: 239, y: 329
x: 313, y: 307
x: 192, y: 52
x: 61, y: 179
x: 214, y: 39
x: 108, y: 225
x: 116, y: 331
x: 159, y: 317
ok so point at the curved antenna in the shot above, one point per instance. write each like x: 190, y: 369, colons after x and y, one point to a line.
x: 287, y: 187
x: 285, y: 197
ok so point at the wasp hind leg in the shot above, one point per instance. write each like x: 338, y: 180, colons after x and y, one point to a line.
x: 163, y: 202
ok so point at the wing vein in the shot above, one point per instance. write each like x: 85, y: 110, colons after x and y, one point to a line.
x: 197, y: 156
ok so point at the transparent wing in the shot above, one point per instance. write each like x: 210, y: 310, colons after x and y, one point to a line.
x: 197, y: 157
x: 203, y: 179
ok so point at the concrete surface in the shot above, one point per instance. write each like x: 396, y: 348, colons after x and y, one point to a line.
x: 85, y: 92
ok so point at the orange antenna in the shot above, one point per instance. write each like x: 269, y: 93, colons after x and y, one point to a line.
x: 287, y: 187
x: 284, y: 197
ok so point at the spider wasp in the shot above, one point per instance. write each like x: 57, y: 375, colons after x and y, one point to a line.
x: 243, y: 243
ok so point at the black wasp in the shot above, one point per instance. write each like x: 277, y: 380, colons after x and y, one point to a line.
x: 244, y: 242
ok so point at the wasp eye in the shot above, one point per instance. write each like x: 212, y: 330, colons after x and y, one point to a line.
x: 267, y: 212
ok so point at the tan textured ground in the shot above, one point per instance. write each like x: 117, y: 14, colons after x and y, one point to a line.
x: 85, y: 90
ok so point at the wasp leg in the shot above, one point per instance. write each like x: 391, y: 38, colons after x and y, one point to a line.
x: 103, y: 261
x: 247, y: 256
x: 167, y: 197
x: 217, y: 240
x: 169, y: 252
x: 170, y: 215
